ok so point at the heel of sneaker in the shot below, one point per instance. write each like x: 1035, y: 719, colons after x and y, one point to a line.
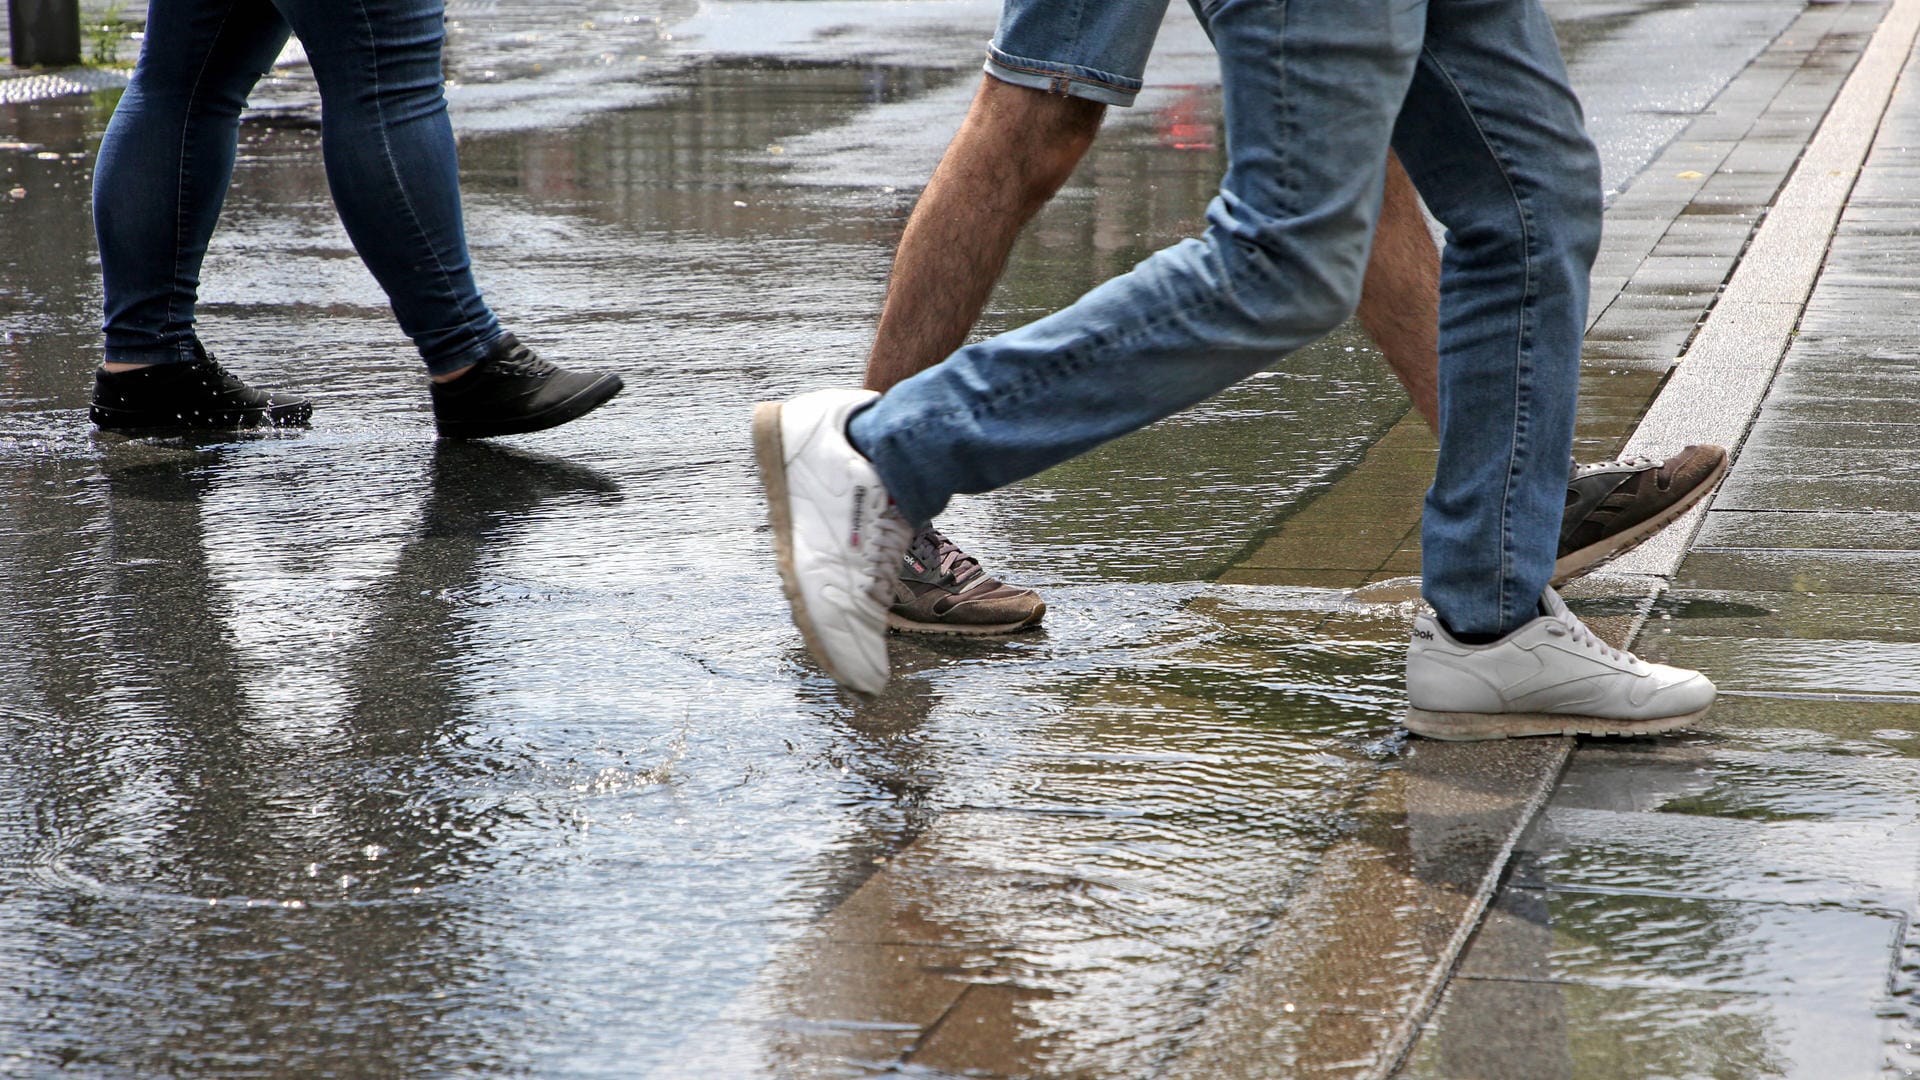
x: 769, y: 453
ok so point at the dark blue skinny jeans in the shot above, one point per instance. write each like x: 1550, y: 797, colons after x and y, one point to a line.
x: 169, y: 152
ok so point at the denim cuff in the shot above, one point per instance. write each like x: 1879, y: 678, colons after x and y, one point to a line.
x: 918, y: 504
x: 1067, y: 79
x: 179, y: 352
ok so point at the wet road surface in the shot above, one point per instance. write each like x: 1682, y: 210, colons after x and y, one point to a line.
x: 345, y: 752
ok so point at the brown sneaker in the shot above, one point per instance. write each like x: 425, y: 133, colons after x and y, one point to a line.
x: 1614, y: 505
x: 943, y: 590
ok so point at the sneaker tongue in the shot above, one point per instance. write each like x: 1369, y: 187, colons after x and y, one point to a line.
x: 1552, y: 606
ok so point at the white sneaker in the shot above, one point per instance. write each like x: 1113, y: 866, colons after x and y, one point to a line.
x: 1552, y: 676
x: 835, y: 533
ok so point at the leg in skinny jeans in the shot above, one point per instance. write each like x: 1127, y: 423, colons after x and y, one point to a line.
x: 165, y: 164
x: 393, y: 168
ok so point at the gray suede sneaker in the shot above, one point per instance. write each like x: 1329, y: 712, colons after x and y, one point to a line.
x: 943, y: 590
x: 1614, y: 505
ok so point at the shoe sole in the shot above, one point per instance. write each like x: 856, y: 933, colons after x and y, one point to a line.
x: 911, y: 626
x: 1476, y: 727
x: 107, y: 418
x: 597, y: 393
x: 769, y: 453
x: 1595, y: 555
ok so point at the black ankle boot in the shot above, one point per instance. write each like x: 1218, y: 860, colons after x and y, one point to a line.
x: 197, y: 394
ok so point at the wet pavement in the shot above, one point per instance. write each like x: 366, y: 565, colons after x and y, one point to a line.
x: 350, y: 753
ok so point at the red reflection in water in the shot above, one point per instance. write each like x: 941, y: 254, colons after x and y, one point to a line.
x: 1184, y: 125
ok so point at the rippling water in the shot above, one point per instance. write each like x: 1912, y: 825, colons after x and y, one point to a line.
x: 345, y: 752
x: 344, y: 747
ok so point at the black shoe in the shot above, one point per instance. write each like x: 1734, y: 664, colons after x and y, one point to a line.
x: 511, y: 391
x: 198, y: 394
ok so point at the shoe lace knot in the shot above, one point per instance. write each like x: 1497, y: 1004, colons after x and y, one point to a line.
x: 1581, y: 634
x: 206, y: 362
x: 520, y: 360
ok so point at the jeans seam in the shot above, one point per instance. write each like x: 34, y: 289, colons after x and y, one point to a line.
x: 180, y: 173
x: 393, y: 171
x: 1523, y: 346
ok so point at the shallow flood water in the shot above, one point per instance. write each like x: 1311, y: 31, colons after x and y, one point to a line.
x: 345, y: 747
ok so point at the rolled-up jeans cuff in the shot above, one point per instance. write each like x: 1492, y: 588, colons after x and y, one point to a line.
x: 1065, y: 79
x: 179, y: 352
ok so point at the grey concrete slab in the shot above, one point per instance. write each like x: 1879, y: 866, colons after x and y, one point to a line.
x: 1803, y: 665
x: 1688, y: 613
x: 1872, y: 572
x: 1817, y: 408
x: 1895, y: 489
x: 1500, y: 1029
x: 1643, y: 855
x: 1719, y: 838
x: 1815, y: 723
x: 1839, y: 957
x: 1832, y: 531
x: 1706, y: 778
x: 1693, y: 273
x: 1857, y: 465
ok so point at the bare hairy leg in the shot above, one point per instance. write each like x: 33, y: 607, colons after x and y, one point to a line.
x: 1400, y: 302
x: 1015, y: 149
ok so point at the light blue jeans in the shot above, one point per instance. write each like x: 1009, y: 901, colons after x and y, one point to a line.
x: 1093, y: 49
x: 1474, y: 97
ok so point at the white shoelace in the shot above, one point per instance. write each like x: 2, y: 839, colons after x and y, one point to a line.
x: 1581, y: 633
x: 1635, y: 461
x: 883, y: 550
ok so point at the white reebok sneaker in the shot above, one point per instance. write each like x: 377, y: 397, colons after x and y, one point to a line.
x: 1552, y: 676
x: 835, y: 533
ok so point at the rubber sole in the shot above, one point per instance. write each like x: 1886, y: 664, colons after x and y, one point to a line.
x: 909, y: 626
x: 769, y: 453
x: 596, y: 394
x: 1477, y: 727
x: 107, y: 418
x: 1595, y: 555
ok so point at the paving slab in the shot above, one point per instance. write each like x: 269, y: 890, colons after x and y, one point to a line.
x: 1500, y: 1029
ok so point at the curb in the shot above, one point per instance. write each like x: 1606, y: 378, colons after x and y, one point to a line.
x: 1717, y: 385
x: 23, y: 85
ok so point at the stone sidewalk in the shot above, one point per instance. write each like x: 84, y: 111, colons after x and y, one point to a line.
x: 1732, y: 903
